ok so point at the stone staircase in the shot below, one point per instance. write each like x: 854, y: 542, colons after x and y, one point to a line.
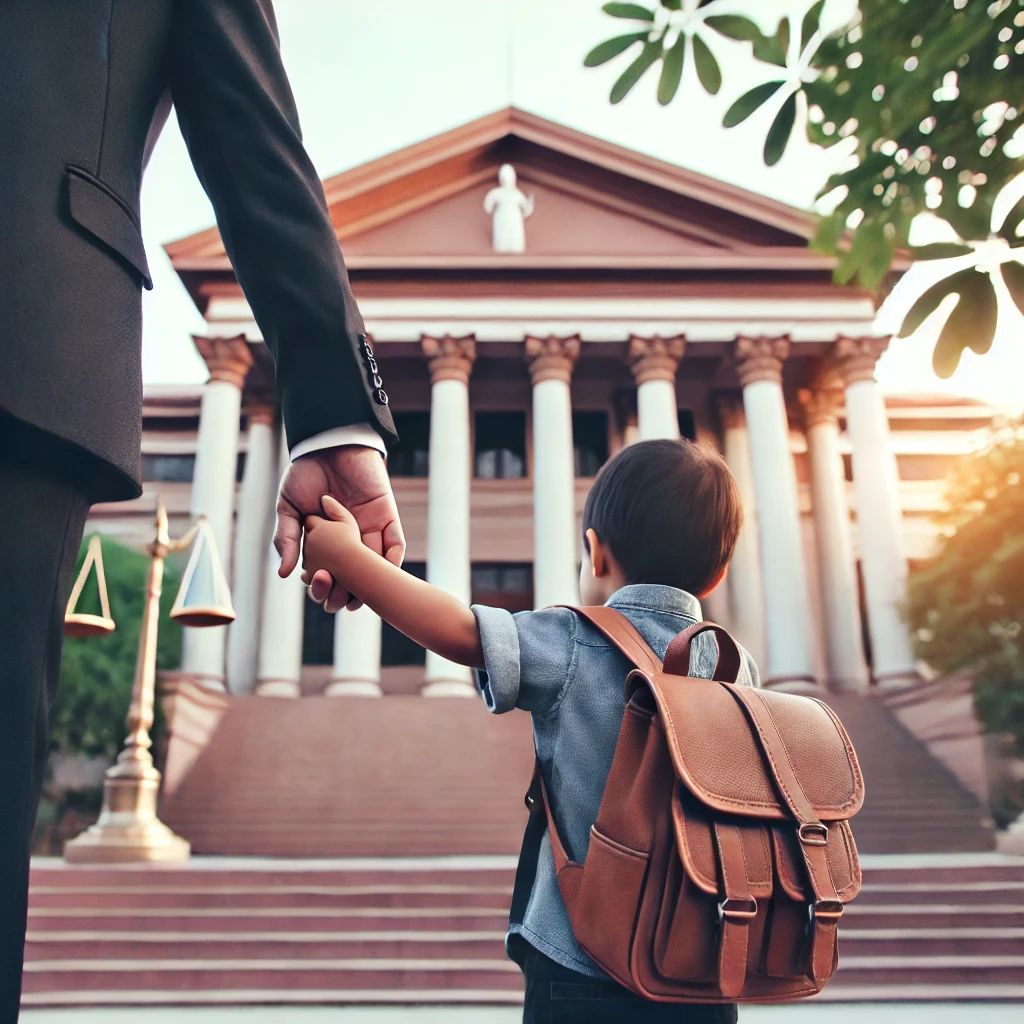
x: 913, y: 802
x: 429, y: 930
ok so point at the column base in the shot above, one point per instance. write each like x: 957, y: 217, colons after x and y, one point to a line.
x: 209, y: 682
x: 793, y: 684
x: 1012, y: 840
x: 848, y: 685
x: 277, y: 688
x: 897, y: 680
x: 353, y: 688
x: 448, y: 688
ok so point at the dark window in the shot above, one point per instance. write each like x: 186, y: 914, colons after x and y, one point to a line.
x: 687, y: 424
x: 590, y: 441
x: 503, y: 585
x: 168, y: 468
x: 395, y: 647
x: 500, y: 445
x: 411, y: 456
x: 317, y: 636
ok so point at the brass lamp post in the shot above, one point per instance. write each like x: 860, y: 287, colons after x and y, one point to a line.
x: 128, y: 828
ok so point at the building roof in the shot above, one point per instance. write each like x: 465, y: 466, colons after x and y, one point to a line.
x: 600, y: 209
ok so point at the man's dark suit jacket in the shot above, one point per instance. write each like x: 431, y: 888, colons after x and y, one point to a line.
x: 85, y: 87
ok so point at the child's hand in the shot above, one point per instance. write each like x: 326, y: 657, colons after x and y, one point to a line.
x: 328, y: 538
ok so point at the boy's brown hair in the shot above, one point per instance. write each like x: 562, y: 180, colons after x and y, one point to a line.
x: 669, y: 511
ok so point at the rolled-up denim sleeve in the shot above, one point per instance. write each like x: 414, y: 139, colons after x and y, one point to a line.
x: 527, y: 657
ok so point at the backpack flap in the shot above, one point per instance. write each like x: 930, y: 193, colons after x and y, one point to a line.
x: 720, y: 756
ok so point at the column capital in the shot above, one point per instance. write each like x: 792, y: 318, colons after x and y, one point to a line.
x: 855, y: 358
x: 760, y: 358
x: 820, y: 403
x: 730, y: 411
x: 227, y: 359
x: 449, y: 358
x: 655, y: 358
x: 552, y: 358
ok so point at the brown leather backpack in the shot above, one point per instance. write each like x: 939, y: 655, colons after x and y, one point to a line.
x: 721, y: 856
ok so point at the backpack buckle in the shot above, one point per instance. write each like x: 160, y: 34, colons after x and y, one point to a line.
x: 737, y: 908
x: 828, y: 910
x: 813, y: 833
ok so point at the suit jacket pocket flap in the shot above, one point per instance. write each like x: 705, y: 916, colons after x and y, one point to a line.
x: 96, y: 207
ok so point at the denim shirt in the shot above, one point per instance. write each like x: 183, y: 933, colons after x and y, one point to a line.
x: 564, y: 672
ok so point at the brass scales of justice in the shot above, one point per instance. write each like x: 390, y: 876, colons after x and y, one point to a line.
x: 128, y: 828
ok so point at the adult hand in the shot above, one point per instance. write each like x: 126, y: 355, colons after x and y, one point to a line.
x: 358, y: 478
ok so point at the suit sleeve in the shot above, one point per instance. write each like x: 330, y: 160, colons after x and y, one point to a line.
x: 239, y: 121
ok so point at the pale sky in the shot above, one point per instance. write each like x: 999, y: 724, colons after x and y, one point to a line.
x: 370, y: 78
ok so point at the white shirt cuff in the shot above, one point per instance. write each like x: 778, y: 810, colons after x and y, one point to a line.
x: 361, y: 434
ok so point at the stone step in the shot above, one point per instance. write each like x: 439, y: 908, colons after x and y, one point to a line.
x: 382, y: 895
x: 292, y: 919
x: 409, y: 944
x: 170, y: 974
x: 79, y: 975
x: 264, y: 945
x: 833, y: 993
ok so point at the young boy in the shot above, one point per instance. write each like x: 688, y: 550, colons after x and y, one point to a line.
x: 660, y: 525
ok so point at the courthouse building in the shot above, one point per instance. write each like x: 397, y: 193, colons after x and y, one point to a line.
x: 642, y: 301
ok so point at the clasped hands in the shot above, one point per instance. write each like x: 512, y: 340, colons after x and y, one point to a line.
x: 359, y: 508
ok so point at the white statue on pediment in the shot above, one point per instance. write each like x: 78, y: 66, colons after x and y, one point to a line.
x: 509, y: 207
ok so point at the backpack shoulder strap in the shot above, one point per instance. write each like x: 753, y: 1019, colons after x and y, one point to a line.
x: 623, y: 635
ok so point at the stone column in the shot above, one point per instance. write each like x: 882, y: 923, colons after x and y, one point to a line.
x: 654, y: 362
x: 253, y: 531
x: 213, y: 484
x: 279, y: 666
x: 840, y: 602
x: 554, y: 502
x: 879, y: 514
x: 356, y: 655
x: 784, y: 578
x: 746, y: 601
x: 450, y: 361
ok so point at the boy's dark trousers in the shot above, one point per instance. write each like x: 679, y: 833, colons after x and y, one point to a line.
x: 43, y: 506
x: 557, y: 995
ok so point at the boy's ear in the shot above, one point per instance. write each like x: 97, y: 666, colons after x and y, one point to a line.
x: 598, y: 554
x: 715, y: 583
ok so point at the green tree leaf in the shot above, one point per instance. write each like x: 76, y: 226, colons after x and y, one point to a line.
x: 972, y: 324
x: 939, y: 251
x: 810, y: 23
x: 1013, y: 220
x: 672, y: 71
x: 780, y: 131
x: 648, y: 55
x: 742, y: 108
x: 633, y: 11
x: 610, y: 48
x: 928, y: 301
x: 708, y: 71
x: 734, y: 26
x: 774, y: 49
x: 1013, y: 278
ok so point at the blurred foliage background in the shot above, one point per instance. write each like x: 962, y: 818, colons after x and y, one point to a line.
x: 966, y: 607
x: 922, y: 101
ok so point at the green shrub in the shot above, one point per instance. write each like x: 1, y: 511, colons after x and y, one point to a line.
x: 966, y: 606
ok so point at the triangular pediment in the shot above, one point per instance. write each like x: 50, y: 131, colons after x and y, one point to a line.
x: 595, y: 203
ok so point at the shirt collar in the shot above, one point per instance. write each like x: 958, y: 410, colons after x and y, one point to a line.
x: 655, y: 597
